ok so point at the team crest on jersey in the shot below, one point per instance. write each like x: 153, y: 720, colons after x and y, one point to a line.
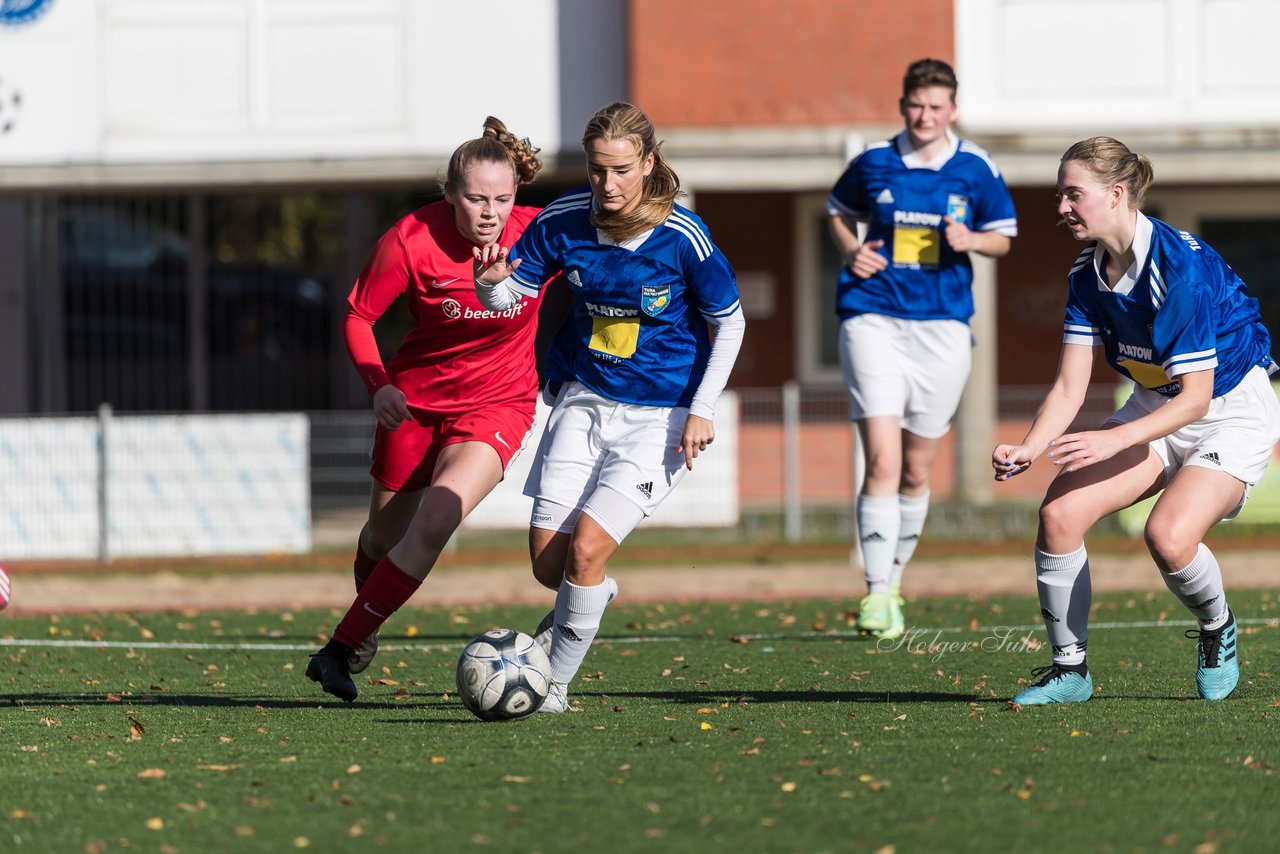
x: 654, y: 299
x: 958, y: 207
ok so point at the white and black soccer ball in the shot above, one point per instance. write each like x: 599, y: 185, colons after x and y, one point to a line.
x: 503, y: 675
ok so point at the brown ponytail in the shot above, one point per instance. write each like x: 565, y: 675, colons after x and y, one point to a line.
x: 495, y: 144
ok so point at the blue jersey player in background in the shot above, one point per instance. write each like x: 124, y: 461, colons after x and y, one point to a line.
x: 634, y: 367
x: 1199, y: 428
x: 927, y: 199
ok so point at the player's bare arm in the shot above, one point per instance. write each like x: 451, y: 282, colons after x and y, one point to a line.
x: 1055, y: 415
x: 1076, y: 450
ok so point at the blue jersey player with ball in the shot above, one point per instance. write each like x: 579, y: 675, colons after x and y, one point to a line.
x: 1198, y: 429
x: 635, y: 367
x: 904, y: 297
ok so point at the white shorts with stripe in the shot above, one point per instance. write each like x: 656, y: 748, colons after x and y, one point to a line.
x: 914, y: 369
x: 1237, y: 435
x: 616, y: 461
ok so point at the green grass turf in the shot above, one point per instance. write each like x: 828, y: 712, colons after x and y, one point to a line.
x: 748, y: 727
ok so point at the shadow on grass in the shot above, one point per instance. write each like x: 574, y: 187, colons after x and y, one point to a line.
x: 703, y: 698
x: 128, y: 701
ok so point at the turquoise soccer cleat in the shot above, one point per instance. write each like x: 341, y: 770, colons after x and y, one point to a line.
x: 1057, y: 686
x: 1217, y: 669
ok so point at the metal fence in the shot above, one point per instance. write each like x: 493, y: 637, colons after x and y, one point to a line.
x: 797, y: 464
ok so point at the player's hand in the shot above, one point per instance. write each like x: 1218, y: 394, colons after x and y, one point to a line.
x: 1011, y: 460
x: 959, y: 237
x: 490, y: 265
x: 391, y: 407
x: 698, y: 433
x: 1074, y: 451
x: 868, y: 261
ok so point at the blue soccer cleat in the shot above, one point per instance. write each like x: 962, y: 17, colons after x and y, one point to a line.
x: 1217, y: 669
x: 1057, y: 686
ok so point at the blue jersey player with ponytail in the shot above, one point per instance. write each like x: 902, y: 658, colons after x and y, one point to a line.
x: 638, y: 370
x: 1198, y: 430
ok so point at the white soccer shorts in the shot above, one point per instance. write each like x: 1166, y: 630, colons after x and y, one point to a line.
x: 914, y: 369
x: 1237, y: 435
x: 596, y: 451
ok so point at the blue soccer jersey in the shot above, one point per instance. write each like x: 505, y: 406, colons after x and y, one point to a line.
x: 903, y: 201
x: 637, y: 330
x: 1178, y: 310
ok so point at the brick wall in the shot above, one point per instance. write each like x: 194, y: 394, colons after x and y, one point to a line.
x: 715, y: 63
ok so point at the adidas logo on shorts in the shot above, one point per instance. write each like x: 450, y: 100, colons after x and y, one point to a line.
x: 646, y: 489
x: 1212, y: 457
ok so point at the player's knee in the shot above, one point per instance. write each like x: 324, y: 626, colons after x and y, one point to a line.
x: 375, y: 542
x: 587, y: 558
x: 548, y: 567
x: 1170, y: 545
x: 881, y: 466
x: 1059, y: 523
x: 914, y: 478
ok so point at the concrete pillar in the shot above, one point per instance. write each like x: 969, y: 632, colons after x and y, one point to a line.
x: 975, y: 424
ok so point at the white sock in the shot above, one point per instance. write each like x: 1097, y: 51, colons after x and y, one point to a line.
x: 1198, y: 585
x: 1065, y: 595
x: 878, y: 522
x: 578, y: 614
x: 912, y: 510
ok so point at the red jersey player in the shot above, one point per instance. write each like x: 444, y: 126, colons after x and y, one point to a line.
x: 456, y: 402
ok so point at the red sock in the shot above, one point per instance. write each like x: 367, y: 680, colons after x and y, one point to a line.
x: 363, y: 567
x: 388, y: 588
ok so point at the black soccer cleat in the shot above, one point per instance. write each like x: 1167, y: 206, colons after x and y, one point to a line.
x: 329, y: 668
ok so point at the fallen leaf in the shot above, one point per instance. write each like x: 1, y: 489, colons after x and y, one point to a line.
x: 155, y: 824
x: 152, y: 774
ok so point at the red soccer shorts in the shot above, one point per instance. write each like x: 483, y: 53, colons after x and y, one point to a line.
x: 404, y: 459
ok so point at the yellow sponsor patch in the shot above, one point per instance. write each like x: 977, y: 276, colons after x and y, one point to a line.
x: 614, y: 335
x: 1145, y: 374
x: 912, y: 245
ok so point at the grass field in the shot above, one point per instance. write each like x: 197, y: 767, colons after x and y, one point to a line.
x: 747, y: 726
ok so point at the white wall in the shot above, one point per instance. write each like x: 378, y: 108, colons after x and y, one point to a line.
x: 175, y: 485
x: 1028, y: 65
x: 129, y: 81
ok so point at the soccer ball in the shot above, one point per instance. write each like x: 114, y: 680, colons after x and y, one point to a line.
x: 503, y: 675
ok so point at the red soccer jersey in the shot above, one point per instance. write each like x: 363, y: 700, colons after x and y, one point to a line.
x: 458, y: 355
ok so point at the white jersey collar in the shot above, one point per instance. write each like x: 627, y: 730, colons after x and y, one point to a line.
x: 633, y: 244
x: 913, y: 161
x: 1141, y: 249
